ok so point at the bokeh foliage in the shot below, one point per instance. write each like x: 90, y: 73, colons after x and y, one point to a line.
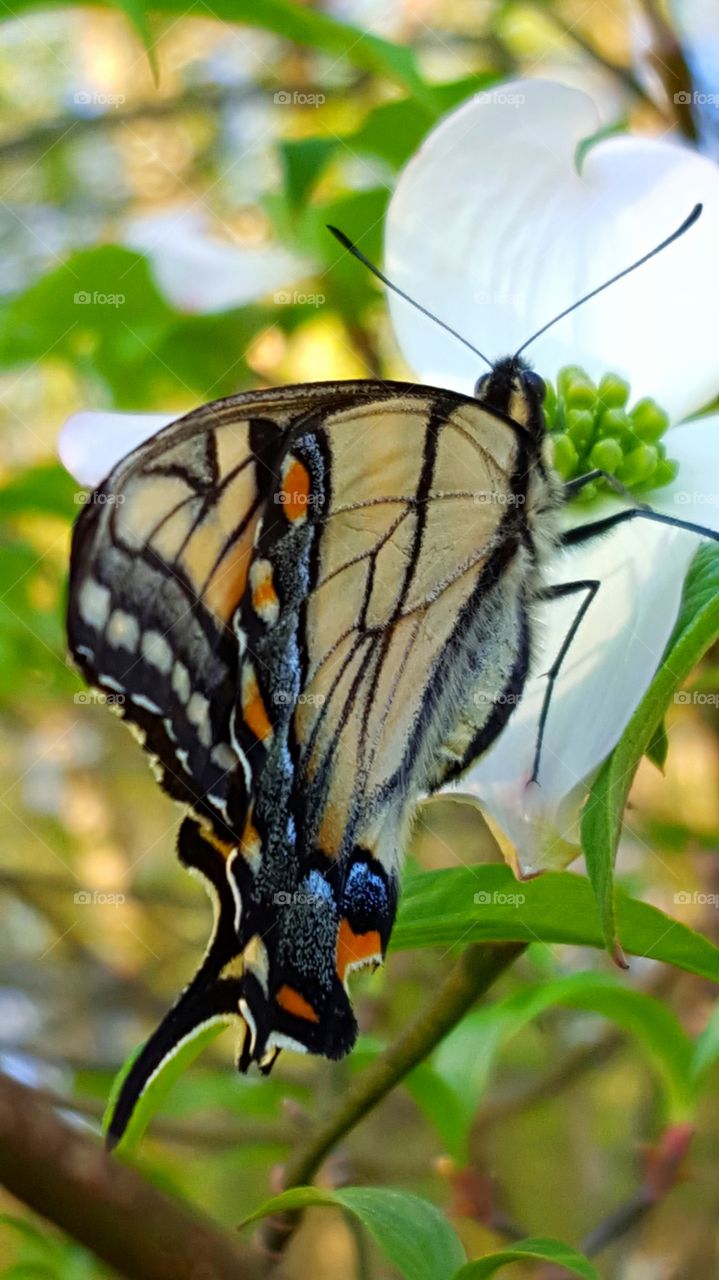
x: 527, y: 1120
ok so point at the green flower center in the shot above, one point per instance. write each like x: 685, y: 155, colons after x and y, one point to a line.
x: 591, y: 427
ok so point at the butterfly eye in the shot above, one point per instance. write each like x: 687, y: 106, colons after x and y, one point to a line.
x: 535, y: 383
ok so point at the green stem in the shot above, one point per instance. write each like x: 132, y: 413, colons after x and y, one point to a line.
x: 470, y: 976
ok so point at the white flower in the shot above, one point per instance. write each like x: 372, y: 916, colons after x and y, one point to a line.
x: 91, y: 442
x: 495, y: 228
x: 201, y: 273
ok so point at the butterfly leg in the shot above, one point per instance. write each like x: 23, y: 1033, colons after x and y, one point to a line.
x: 590, y: 586
x: 575, y: 537
x: 585, y: 532
x: 573, y: 487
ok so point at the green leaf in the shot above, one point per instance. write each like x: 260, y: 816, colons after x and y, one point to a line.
x: 706, y: 1049
x: 696, y: 629
x: 102, y: 313
x: 32, y: 635
x: 304, y: 26
x: 32, y: 1271
x: 394, y: 130
x: 467, y: 1056
x: 137, y: 15
x: 658, y: 748
x: 151, y: 1099
x: 411, y: 1232
x: 540, y: 1250
x: 45, y: 490
x: 443, y: 1105
x: 449, y: 1089
x: 303, y: 159
x: 32, y: 1234
x: 438, y: 908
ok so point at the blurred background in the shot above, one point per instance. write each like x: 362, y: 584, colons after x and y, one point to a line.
x: 162, y: 243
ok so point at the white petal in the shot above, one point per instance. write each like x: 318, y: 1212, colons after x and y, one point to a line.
x: 89, y: 444
x: 201, y: 274
x: 610, y: 664
x: 492, y: 227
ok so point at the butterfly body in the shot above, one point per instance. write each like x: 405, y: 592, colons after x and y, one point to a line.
x: 315, y: 604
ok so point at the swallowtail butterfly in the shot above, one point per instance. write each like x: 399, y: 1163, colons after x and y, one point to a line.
x: 316, y: 604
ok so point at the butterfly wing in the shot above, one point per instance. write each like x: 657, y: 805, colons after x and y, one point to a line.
x: 160, y: 561
x: 385, y: 595
x: 293, y: 592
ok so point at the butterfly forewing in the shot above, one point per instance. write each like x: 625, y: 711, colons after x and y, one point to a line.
x: 387, y: 526
x: 394, y: 572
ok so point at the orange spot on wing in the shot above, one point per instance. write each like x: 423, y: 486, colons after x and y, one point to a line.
x: 355, y: 948
x: 264, y: 596
x: 224, y: 590
x: 250, y: 844
x: 295, y: 494
x: 290, y: 1000
x: 254, y: 712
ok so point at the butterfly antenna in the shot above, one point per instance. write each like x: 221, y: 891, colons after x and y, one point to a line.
x: 687, y: 223
x: 358, y: 254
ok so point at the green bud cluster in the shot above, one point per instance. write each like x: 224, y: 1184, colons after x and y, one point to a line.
x: 591, y: 427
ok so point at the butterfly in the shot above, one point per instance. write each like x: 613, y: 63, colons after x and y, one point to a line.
x: 314, y: 605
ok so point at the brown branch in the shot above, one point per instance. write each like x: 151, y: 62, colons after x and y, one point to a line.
x: 67, y: 1177
x: 667, y: 59
x: 217, y: 1136
x: 663, y: 1169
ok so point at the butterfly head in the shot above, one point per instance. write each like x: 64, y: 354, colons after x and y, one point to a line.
x: 515, y: 390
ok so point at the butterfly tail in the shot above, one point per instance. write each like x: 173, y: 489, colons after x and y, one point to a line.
x: 209, y: 998
x: 194, y: 1012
